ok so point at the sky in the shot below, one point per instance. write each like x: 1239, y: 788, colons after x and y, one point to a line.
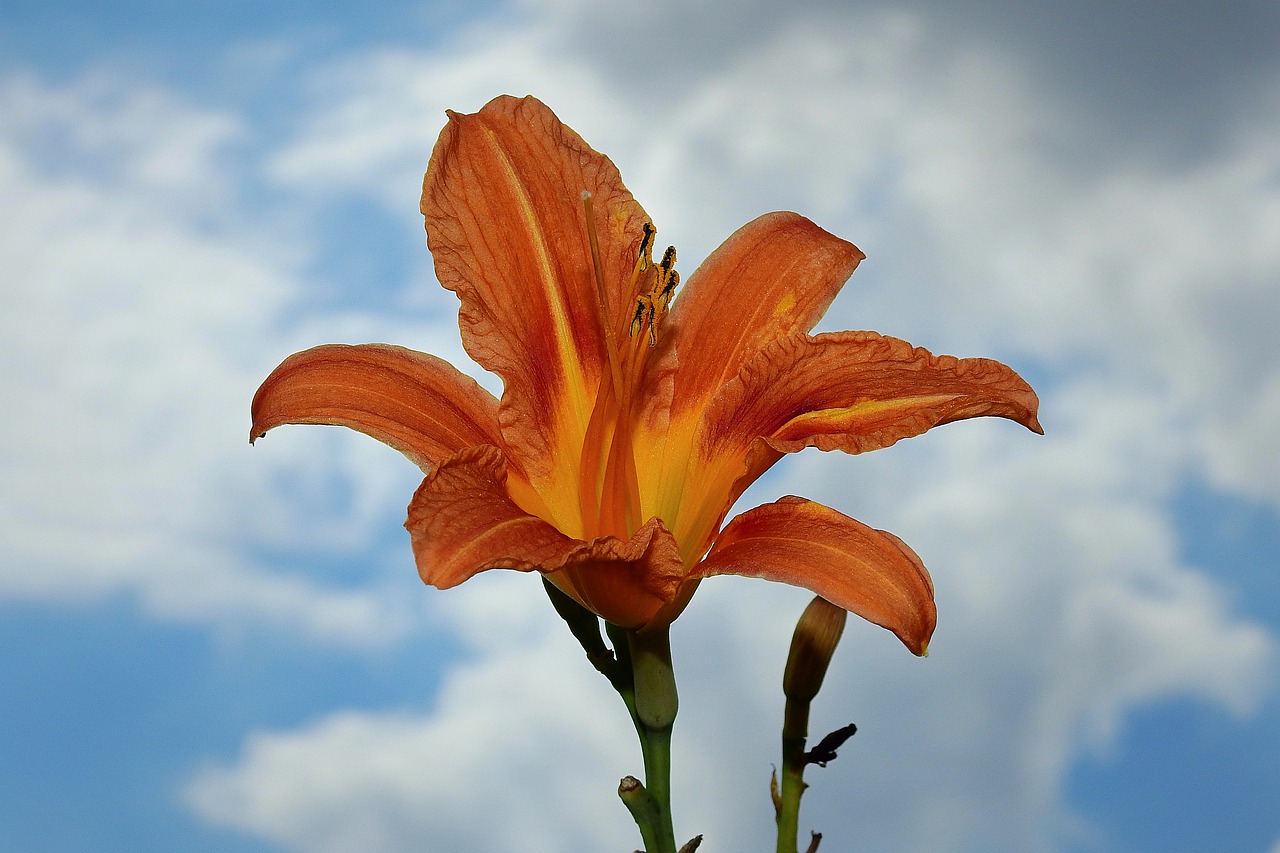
x: 216, y: 647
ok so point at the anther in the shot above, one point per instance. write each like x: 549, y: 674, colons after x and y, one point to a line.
x: 637, y: 319
x: 646, y: 246
x: 669, y: 289
x: 652, y: 305
x: 668, y: 258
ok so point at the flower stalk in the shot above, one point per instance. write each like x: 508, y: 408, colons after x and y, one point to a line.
x: 652, y: 700
x: 639, y: 669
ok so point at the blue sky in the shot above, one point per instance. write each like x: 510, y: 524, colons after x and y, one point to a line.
x: 218, y: 648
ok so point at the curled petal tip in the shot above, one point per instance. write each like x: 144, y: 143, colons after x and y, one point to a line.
x: 867, y: 572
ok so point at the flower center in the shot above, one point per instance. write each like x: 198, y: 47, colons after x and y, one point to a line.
x: 609, y: 491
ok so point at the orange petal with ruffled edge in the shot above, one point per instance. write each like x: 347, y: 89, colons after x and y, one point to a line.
x: 507, y: 230
x: 861, y: 391
x: 419, y: 404
x: 774, y: 276
x: 868, y: 572
x: 850, y: 391
x: 462, y: 522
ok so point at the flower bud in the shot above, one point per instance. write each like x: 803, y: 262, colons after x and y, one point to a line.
x: 817, y: 634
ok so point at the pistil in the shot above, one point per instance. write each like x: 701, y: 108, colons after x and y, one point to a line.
x: 602, y: 298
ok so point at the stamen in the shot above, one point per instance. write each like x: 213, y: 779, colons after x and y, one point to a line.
x: 608, y: 485
x: 643, y: 305
x: 669, y: 290
x: 646, y: 246
x: 652, y: 306
x: 645, y: 310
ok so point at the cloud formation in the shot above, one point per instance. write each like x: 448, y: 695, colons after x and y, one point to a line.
x: 138, y: 310
x: 497, y: 762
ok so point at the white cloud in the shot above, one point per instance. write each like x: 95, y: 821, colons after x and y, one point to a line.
x: 964, y: 750
x: 1062, y: 606
x: 139, y: 318
x: 519, y: 753
x: 380, y: 112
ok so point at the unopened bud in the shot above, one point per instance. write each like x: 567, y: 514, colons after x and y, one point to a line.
x: 815, y: 640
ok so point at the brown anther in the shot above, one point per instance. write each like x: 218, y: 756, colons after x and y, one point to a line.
x: 643, y: 307
x: 646, y: 246
x: 646, y: 312
x: 669, y: 289
x: 668, y: 259
x: 652, y: 305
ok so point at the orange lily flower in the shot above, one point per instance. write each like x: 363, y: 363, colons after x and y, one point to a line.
x: 630, y: 421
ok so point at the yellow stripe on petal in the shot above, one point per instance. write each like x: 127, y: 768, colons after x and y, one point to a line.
x: 554, y: 293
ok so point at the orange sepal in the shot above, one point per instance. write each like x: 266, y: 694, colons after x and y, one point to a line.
x: 419, y: 404
x: 462, y: 522
x: 868, y: 572
x: 627, y: 582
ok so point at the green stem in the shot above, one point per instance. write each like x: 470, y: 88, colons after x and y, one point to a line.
x: 639, y: 668
x: 653, y: 707
x: 637, y: 800
x: 795, y: 728
x: 655, y: 682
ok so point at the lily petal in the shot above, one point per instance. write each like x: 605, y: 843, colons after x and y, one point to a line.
x: 419, y: 404
x: 773, y: 277
x: 868, y: 572
x: 627, y: 582
x: 462, y: 522
x: 850, y: 391
x: 861, y: 391
x: 506, y: 227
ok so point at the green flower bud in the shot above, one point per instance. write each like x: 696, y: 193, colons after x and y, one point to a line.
x: 817, y: 634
